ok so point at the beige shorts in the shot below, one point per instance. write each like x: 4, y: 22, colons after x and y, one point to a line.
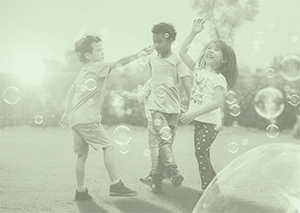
x: 89, y: 134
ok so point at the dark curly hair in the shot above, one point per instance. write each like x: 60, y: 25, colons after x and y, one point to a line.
x: 83, y: 46
x: 163, y: 28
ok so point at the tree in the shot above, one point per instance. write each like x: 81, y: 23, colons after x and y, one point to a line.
x: 226, y: 15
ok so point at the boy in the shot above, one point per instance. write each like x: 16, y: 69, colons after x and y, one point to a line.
x: 168, y: 72
x: 83, y: 113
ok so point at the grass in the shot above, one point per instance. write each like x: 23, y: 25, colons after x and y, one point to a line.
x: 37, y: 170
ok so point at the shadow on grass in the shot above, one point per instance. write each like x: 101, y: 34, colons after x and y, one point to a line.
x: 89, y: 206
x: 184, y: 197
x: 138, y: 205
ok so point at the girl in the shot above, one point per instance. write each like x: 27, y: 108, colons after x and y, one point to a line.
x: 214, y: 72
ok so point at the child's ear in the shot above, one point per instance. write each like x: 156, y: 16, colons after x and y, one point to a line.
x: 87, y: 55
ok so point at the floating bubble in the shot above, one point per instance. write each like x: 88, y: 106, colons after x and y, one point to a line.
x: 274, y: 185
x: 122, y: 135
x: 104, y: 35
x: 11, y: 95
x: 290, y: 68
x: 146, y: 152
x: 286, y: 88
x: 124, y: 148
x: 269, y: 103
x: 214, y: 21
x: 165, y: 133
x: 272, y: 131
x: 38, y: 119
x: 233, y: 147
x: 270, y: 73
x: 160, y: 91
x: 192, y: 49
x: 90, y: 84
x: 293, y: 100
x: 143, y: 58
x: 295, y: 39
x: 260, y: 37
x: 235, y: 110
x: 230, y: 97
x: 245, y: 142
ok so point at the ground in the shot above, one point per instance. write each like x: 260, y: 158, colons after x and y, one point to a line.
x: 37, y: 170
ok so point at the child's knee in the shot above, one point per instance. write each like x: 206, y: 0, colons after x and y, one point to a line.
x: 82, y: 156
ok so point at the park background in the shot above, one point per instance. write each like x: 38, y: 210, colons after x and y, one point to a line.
x: 36, y: 56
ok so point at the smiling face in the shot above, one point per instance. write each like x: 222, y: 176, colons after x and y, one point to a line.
x: 97, y: 53
x: 161, y: 44
x: 213, y: 56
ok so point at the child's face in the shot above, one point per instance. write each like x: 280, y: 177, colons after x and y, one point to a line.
x: 213, y: 56
x: 161, y: 44
x: 97, y: 53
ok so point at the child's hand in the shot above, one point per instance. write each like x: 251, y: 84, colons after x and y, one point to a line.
x: 187, y: 117
x: 198, y: 25
x: 183, y: 109
x: 64, y: 122
x: 148, y: 50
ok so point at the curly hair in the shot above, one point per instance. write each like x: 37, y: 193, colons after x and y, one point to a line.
x: 164, y: 27
x: 83, y: 46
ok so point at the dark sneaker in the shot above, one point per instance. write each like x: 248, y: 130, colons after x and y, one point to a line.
x: 156, y: 187
x: 176, y: 178
x: 83, y: 195
x: 147, y: 178
x: 119, y: 189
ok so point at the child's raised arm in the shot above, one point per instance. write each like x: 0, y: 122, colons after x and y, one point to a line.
x: 198, y: 26
x: 127, y: 59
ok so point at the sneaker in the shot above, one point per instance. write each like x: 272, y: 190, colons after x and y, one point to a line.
x: 176, y: 178
x: 83, y: 195
x: 147, y: 178
x: 156, y: 187
x: 119, y: 189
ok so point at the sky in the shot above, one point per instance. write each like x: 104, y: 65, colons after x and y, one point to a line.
x: 45, y: 29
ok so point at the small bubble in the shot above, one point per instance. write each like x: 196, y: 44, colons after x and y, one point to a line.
x: 235, y: 110
x: 293, y: 100
x: 11, y: 95
x: 146, y: 152
x: 214, y: 21
x: 90, y: 84
x: 38, y: 119
x: 245, y: 142
x: 104, y: 35
x: 270, y: 73
x: 260, y: 37
x: 233, y: 147
x: 122, y: 135
x: 192, y: 49
x: 160, y: 91
x: 255, y: 45
x: 165, y: 133
x: 272, y: 131
x: 290, y: 67
x: 230, y: 97
x: 124, y: 148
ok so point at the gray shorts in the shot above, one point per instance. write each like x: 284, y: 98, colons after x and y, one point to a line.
x: 89, y: 134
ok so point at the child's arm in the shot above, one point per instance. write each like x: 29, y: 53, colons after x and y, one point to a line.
x: 64, y: 122
x: 127, y: 59
x: 212, y: 105
x: 186, y: 81
x: 183, y: 52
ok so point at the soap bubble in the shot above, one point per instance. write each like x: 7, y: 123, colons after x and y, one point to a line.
x: 270, y: 73
x: 290, y: 68
x: 269, y: 103
x: 235, y: 110
x: 272, y: 131
x: 123, y: 148
x: 90, y: 84
x: 230, y: 97
x: 255, y: 45
x: 165, y: 133
x: 245, y: 142
x: 143, y: 58
x: 160, y: 91
x: 104, y: 35
x: 214, y: 21
x: 192, y: 49
x: 38, y: 119
x: 146, y: 152
x: 122, y: 135
x: 11, y: 95
x: 264, y: 179
x: 233, y: 147
x: 293, y: 100
x: 260, y: 37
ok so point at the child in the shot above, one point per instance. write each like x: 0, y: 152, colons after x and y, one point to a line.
x: 83, y: 113
x: 168, y: 72
x: 215, y: 71
x: 143, y: 95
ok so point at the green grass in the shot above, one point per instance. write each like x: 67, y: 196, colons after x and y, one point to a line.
x: 37, y: 170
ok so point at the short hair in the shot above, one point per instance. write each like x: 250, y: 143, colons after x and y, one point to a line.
x: 83, y: 46
x: 163, y: 28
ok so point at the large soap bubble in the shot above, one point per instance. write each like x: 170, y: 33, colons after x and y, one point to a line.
x: 290, y: 67
x: 269, y: 103
x: 264, y: 179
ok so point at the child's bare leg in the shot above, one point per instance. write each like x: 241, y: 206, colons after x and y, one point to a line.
x: 110, y: 164
x: 80, y: 171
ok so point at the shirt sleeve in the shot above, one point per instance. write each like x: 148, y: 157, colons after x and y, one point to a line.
x: 101, y: 68
x: 182, y: 69
x: 220, y: 80
x: 145, y: 91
